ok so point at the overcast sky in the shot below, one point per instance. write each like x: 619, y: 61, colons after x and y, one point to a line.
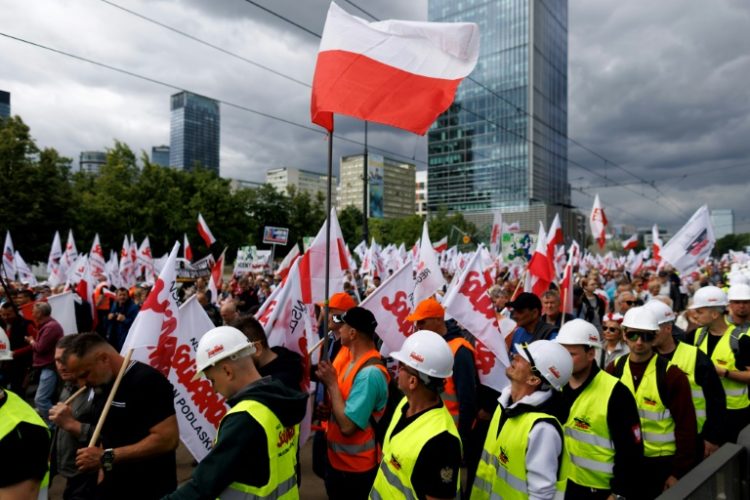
x: 658, y: 88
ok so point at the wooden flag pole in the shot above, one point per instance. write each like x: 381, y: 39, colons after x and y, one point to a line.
x: 105, y: 411
x: 562, y: 305
x: 75, y: 395
x: 518, y: 286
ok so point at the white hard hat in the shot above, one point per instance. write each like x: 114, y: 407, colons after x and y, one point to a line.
x: 428, y: 353
x: 551, y: 360
x: 640, y: 318
x: 740, y: 291
x: 220, y: 343
x: 709, y: 296
x: 5, y: 353
x: 578, y: 332
x: 661, y: 311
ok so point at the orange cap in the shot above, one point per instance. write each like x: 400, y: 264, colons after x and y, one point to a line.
x: 341, y: 300
x: 428, y: 308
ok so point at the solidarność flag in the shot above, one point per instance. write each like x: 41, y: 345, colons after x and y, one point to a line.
x: 398, y: 73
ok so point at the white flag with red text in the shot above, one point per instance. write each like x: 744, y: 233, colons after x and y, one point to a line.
x: 598, y: 222
x: 96, y: 257
x: 496, y: 234
x: 9, y: 255
x: 429, y: 276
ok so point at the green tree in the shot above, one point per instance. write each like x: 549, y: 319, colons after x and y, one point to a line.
x: 736, y: 242
x: 350, y: 220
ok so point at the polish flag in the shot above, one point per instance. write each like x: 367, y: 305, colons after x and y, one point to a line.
x: 554, y: 238
x: 598, y: 221
x: 312, y: 265
x: 630, y: 243
x: 286, y: 264
x: 566, y: 289
x: 187, y: 252
x: 217, y: 277
x: 441, y: 245
x: 96, y: 257
x: 539, y: 274
x: 205, y: 232
x: 399, y: 73
x: 656, y: 244
x: 153, y: 335
x: 496, y: 235
x: 429, y: 276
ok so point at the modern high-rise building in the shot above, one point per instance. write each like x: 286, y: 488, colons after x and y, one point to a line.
x: 194, y: 133
x: 723, y: 222
x: 502, y: 145
x: 92, y: 161
x: 391, y: 185
x: 4, y: 104
x: 302, y: 180
x: 160, y: 155
x: 421, y: 193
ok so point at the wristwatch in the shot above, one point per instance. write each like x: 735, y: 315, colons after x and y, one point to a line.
x: 108, y: 459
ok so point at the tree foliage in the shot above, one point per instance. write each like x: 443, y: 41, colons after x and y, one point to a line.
x: 736, y: 242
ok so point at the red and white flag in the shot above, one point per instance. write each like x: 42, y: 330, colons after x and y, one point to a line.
x: 656, y: 244
x: 9, y: 255
x: 429, y: 275
x: 205, y: 232
x: 55, y: 254
x: 692, y: 243
x: 145, y: 263
x: 630, y: 243
x: 187, y: 252
x: 313, y: 264
x: 399, y: 73
x: 96, y: 257
x: 441, y: 245
x: 539, y: 275
x: 566, y: 289
x: 496, y: 234
x: 286, y: 264
x: 127, y: 269
x: 86, y: 283
x: 554, y: 238
x: 217, y: 277
x: 391, y: 303
x: 598, y: 222
x: 153, y: 333
x: 512, y: 228
x: 198, y: 407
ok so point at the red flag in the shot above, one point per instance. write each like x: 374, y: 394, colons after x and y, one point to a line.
x: 630, y: 243
x: 205, y: 232
x: 566, y: 289
x: 217, y: 277
x: 398, y: 73
x: 286, y: 264
x: 187, y: 252
x: 554, y: 238
x: 441, y: 245
x: 539, y: 275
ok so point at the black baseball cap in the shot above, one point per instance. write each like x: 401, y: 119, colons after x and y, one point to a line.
x: 358, y: 318
x: 526, y: 300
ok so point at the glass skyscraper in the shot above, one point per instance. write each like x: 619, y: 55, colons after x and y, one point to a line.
x: 486, y: 153
x: 194, y: 134
x: 4, y: 104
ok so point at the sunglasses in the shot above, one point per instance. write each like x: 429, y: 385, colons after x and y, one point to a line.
x: 532, y: 365
x: 629, y: 302
x: 613, y: 329
x: 645, y: 336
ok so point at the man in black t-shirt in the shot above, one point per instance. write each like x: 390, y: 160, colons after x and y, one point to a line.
x: 140, y: 434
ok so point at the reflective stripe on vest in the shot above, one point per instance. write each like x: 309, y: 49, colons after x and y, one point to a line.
x: 587, y: 437
x: 657, y: 424
x: 723, y: 356
x: 685, y: 357
x: 400, y: 452
x: 282, y: 445
x: 358, y: 452
x: 15, y: 411
x: 502, y: 466
x: 449, y: 391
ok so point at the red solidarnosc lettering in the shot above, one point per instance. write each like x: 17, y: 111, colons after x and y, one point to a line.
x: 400, y: 309
x: 483, y: 358
x: 475, y: 291
x: 161, y: 355
x: 263, y: 319
x: 208, y: 402
x: 285, y: 436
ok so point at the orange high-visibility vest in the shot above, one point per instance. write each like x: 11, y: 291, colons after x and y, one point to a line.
x: 106, y: 303
x: 359, y: 452
x: 449, y: 392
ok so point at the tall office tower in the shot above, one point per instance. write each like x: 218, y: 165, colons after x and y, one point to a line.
x: 91, y: 161
x: 4, y: 104
x: 160, y: 155
x: 194, y: 134
x: 502, y: 145
x: 391, y: 185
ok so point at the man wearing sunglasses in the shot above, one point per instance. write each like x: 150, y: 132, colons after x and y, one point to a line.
x: 602, y: 426
x: 524, y: 452
x: 708, y: 394
x: 729, y: 349
x: 662, y: 393
x: 624, y: 302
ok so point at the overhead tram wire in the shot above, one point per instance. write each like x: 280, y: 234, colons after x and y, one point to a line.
x: 204, y: 42
x: 549, y: 126
x: 286, y: 19
x: 178, y: 88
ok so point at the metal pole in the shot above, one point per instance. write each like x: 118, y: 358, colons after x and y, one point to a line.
x: 324, y: 352
x: 365, y: 197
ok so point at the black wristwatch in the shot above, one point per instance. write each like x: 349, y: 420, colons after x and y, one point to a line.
x: 108, y: 459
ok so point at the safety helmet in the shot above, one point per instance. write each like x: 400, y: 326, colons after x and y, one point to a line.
x: 739, y: 291
x: 549, y: 360
x: 578, y: 332
x: 220, y: 343
x: 428, y: 353
x: 709, y: 296
x: 640, y: 318
x: 661, y: 311
x: 5, y: 353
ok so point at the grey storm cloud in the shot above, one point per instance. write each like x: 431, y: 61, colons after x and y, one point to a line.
x: 658, y: 88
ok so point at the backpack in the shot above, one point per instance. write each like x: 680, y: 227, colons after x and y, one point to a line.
x: 662, y: 365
